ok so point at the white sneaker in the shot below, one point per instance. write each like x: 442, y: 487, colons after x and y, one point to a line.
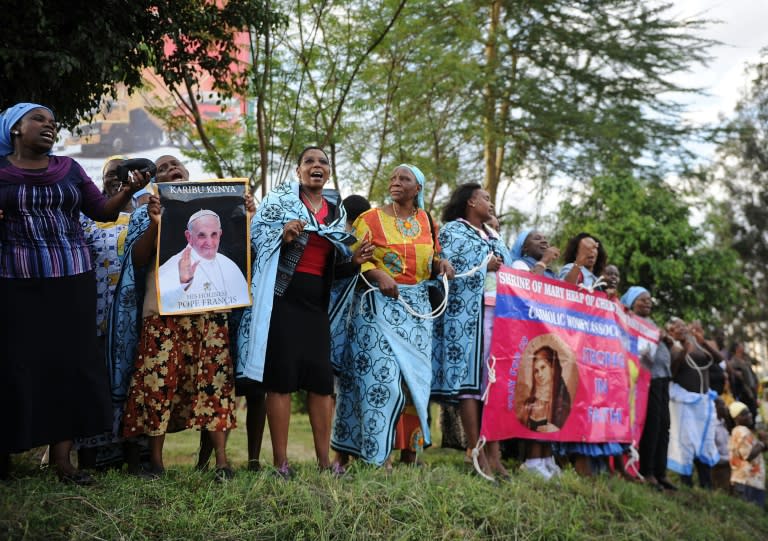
x: 552, y: 466
x: 537, y: 466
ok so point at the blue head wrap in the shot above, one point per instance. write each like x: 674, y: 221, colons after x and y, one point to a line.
x: 9, y: 118
x: 629, y: 298
x: 420, y: 179
x: 517, y: 248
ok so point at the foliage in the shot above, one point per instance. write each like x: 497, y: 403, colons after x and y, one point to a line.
x: 87, y: 48
x: 645, y: 227
x: 441, y: 501
x: 535, y: 89
x: 413, y: 99
x: 504, y: 90
x: 500, y: 90
x: 741, y: 168
x: 67, y: 55
x: 206, y: 53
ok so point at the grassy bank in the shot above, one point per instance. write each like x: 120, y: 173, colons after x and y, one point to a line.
x: 441, y: 501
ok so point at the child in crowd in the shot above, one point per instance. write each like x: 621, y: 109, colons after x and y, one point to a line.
x: 721, y: 472
x: 746, y: 455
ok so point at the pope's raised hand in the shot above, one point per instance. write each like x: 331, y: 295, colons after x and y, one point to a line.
x: 187, y: 267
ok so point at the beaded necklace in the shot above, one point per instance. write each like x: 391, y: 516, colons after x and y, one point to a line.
x: 409, y: 226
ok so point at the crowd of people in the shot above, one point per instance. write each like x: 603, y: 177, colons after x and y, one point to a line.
x: 346, y: 306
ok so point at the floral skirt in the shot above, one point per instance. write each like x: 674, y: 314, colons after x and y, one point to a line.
x: 183, y: 377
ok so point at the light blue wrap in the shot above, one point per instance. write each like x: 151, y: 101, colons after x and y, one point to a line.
x: 280, y: 206
x: 125, y: 312
x: 691, y: 429
x: 385, y: 344
x: 457, y: 356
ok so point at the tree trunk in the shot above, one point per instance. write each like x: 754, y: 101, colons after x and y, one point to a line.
x: 260, y: 111
x: 490, y: 131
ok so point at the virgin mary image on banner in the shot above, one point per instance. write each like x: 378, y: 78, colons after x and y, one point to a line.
x: 547, y: 384
x: 203, y: 247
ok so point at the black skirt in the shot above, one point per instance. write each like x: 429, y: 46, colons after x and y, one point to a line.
x: 53, y: 387
x: 299, y: 343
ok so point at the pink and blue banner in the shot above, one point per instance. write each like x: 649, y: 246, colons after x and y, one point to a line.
x: 567, y: 364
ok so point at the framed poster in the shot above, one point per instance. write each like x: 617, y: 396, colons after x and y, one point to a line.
x: 203, y: 249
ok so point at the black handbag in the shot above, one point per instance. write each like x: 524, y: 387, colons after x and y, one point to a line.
x: 436, y: 296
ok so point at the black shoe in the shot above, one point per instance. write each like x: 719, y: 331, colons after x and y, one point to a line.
x: 664, y: 483
x: 77, y: 477
x: 254, y: 465
x: 149, y: 473
x: 223, y: 473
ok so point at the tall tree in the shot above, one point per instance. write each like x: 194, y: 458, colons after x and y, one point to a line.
x: 534, y: 89
x: 574, y: 83
x: 645, y: 228
x: 87, y: 47
x: 741, y: 168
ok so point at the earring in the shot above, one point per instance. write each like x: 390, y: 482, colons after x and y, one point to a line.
x: 15, y: 132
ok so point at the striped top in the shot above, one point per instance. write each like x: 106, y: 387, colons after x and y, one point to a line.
x: 40, y: 234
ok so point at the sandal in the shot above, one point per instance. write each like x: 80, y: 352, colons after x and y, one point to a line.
x: 336, y: 470
x: 285, y: 472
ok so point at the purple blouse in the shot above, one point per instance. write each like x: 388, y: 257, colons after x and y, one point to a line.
x: 40, y: 234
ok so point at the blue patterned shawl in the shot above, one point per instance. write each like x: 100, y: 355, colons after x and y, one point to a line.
x: 280, y: 206
x: 125, y: 312
x: 588, y: 278
x: 457, y: 356
x: 384, y: 344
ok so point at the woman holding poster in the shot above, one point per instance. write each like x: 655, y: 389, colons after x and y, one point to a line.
x: 459, y: 355
x: 388, y: 365
x: 655, y: 437
x: 181, y: 371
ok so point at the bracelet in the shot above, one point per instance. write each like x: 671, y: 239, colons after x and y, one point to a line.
x: 541, y: 264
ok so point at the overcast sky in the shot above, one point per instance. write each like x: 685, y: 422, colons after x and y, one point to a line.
x: 742, y: 32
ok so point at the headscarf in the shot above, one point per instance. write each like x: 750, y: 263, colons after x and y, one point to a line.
x: 737, y: 408
x: 8, y: 120
x: 629, y: 298
x: 116, y: 157
x: 517, y: 248
x: 420, y: 179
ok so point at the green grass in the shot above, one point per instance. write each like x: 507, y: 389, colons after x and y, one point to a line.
x: 441, y: 501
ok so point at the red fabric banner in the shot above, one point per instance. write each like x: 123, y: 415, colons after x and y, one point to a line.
x: 567, y: 364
